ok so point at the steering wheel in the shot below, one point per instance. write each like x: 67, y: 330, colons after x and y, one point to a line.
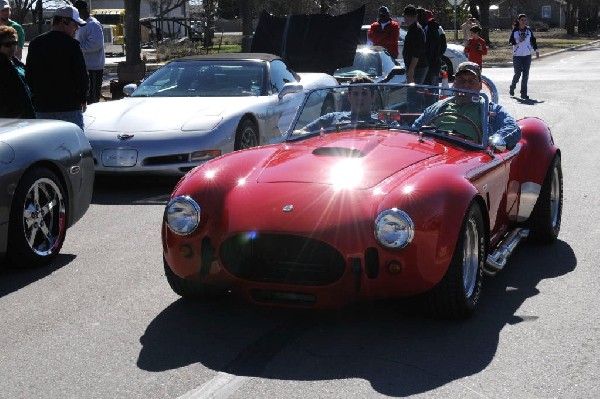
x: 472, y: 125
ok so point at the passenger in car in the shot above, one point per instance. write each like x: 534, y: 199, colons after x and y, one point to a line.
x: 468, y: 77
x: 360, y: 99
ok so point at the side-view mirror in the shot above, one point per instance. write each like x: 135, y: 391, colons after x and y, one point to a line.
x: 129, y: 89
x: 497, y: 143
x: 290, y: 88
x: 395, y: 72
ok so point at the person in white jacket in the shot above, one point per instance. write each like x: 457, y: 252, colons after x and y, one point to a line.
x: 523, y: 41
x: 91, y: 41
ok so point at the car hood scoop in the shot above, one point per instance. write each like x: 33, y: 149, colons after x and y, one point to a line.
x: 339, y: 152
x: 362, y: 159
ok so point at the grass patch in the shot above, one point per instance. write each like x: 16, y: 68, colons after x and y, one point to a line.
x: 552, y: 40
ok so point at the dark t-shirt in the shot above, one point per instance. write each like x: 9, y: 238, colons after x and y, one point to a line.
x: 414, y: 46
x: 56, y: 72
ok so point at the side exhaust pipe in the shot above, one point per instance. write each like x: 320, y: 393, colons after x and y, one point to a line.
x: 497, y: 259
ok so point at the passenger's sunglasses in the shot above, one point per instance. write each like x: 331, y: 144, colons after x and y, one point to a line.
x: 9, y: 44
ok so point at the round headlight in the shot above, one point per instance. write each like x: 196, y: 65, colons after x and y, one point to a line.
x: 394, y: 229
x: 182, y: 215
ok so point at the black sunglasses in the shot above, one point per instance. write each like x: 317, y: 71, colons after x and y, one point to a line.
x: 10, y: 44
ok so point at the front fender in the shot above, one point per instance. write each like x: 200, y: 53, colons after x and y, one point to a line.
x: 436, y: 202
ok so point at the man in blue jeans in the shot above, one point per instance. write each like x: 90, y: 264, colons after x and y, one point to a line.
x: 468, y: 77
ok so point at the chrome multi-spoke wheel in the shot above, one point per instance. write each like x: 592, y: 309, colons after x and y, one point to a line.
x: 545, y: 219
x: 470, y: 257
x: 246, y: 135
x: 38, y: 218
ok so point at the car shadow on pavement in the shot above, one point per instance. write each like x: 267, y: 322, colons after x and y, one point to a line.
x: 398, y: 353
x: 133, y: 190
x: 13, y: 278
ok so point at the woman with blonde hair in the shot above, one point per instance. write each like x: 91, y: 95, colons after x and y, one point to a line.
x: 15, y: 96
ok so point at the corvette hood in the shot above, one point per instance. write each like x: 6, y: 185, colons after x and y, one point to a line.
x: 147, y: 114
x: 360, y: 161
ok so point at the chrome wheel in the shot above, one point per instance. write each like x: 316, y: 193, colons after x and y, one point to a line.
x: 44, y: 217
x: 470, y: 264
x: 246, y: 135
x: 555, y: 198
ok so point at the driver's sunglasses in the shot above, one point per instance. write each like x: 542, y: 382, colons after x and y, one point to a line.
x: 10, y: 44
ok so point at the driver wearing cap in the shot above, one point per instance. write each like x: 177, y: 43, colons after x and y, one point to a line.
x: 468, y: 77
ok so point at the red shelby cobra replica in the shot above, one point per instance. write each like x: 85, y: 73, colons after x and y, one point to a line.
x: 347, y: 209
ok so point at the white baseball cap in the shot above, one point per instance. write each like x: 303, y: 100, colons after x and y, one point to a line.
x: 4, y: 4
x: 68, y: 12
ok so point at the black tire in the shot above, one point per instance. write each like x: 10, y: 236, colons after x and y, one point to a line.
x: 38, y: 219
x: 544, y: 223
x: 190, y: 289
x: 246, y: 135
x: 456, y: 296
x: 328, y: 106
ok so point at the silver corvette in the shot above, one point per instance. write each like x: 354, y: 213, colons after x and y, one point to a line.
x: 46, y: 182
x: 195, y: 109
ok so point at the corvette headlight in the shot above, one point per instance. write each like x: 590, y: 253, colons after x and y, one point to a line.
x: 182, y: 215
x: 394, y: 229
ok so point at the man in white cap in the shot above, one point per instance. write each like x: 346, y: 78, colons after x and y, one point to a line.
x: 56, y: 71
x: 91, y: 41
x: 6, y: 21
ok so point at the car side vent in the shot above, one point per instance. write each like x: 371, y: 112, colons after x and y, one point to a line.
x: 339, y: 152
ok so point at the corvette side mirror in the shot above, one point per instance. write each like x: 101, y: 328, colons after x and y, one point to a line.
x: 129, y: 89
x: 289, y: 88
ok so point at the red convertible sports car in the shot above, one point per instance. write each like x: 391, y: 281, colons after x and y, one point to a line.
x: 348, y: 209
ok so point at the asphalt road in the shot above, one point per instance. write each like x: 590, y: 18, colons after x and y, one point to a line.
x: 102, y: 321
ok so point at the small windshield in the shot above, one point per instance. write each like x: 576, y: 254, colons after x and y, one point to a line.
x: 206, y: 79
x: 457, y: 114
x: 364, y: 62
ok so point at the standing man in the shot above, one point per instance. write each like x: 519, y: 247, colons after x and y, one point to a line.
x: 91, y: 41
x: 434, y: 48
x: 414, y: 55
x: 385, y: 32
x: 56, y: 72
x: 6, y: 21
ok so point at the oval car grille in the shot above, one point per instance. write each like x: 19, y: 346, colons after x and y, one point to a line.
x: 283, y: 259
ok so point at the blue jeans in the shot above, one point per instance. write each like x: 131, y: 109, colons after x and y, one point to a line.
x: 414, y: 99
x: 521, y: 65
x: 75, y: 117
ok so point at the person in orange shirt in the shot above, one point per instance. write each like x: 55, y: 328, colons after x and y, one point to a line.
x: 385, y: 32
x: 476, y: 47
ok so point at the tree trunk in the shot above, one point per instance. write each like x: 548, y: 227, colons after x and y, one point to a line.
x: 133, y: 46
x: 247, y: 28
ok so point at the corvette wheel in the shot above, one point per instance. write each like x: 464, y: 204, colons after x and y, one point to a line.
x: 546, y: 217
x: 246, y: 135
x: 190, y: 289
x: 38, y: 219
x: 456, y: 296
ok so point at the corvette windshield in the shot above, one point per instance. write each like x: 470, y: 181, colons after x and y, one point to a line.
x: 205, y: 79
x: 449, y: 113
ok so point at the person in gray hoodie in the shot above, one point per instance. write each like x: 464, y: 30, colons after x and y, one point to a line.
x: 91, y: 41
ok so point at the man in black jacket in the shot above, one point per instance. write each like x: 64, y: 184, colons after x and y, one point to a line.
x: 435, y: 45
x: 56, y: 71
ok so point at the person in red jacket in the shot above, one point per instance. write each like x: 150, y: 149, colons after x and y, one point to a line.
x: 476, y: 47
x: 385, y: 32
